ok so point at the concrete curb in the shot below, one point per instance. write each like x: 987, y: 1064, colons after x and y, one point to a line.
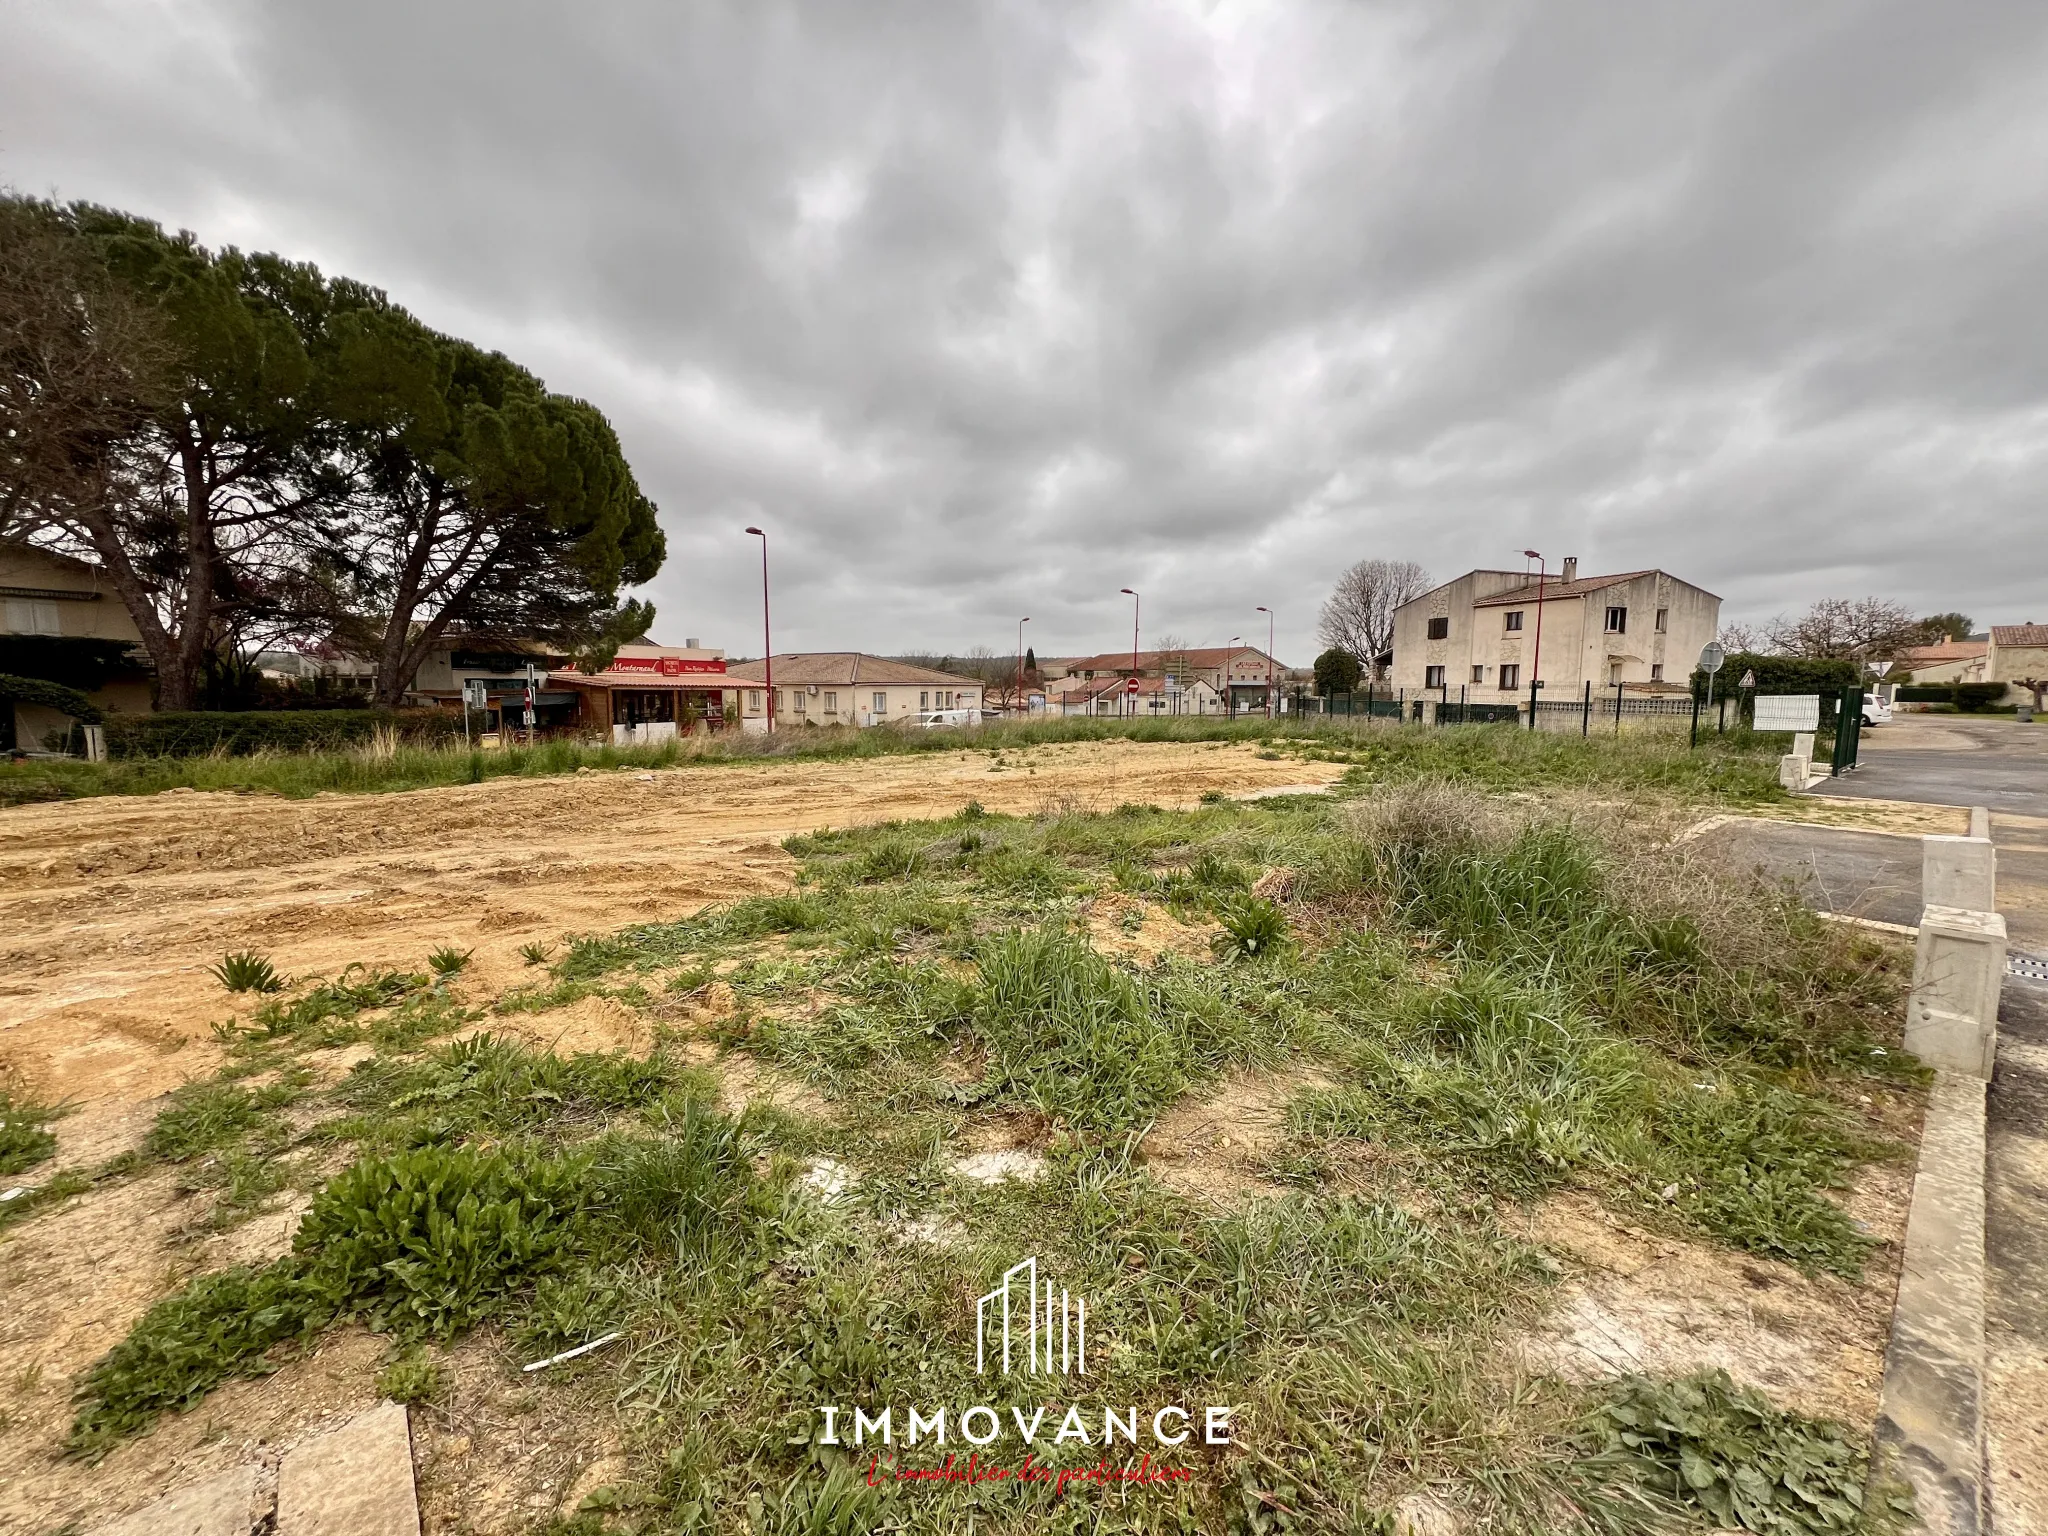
x: 1930, y: 1423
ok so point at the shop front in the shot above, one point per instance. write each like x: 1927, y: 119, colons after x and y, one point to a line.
x: 649, y: 694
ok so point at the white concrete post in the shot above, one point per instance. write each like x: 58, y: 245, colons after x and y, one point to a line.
x: 1958, y: 969
x: 1428, y: 711
x: 1959, y: 872
x: 1802, y: 744
x: 1792, y: 772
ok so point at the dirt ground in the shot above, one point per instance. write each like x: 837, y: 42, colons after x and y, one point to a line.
x: 113, y: 909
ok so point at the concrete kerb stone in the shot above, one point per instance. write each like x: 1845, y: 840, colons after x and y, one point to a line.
x: 1959, y: 872
x: 226, y: 1504
x: 353, y: 1481
x: 1958, y: 971
x: 1930, y: 1423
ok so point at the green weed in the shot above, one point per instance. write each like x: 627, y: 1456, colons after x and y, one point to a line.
x: 25, y: 1139
x: 413, y: 1377
x: 246, y: 971
x: 1706, y: 1444
x: 448, y: 961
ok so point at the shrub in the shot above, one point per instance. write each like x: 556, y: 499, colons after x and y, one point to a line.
x: 244, y: 970
x: 428, y: 1242
x: 1971, y: 697
x: 1781, y: 674
x: 204, y: 1117
x: 197, y: 733
x: 412, y: 1378
x: 448, y: 961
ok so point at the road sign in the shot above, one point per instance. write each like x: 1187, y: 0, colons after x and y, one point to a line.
x: 474, y: 694
x: 1880, y: 667
x: 528, y: 722
x: 1131, y: 686
x: 1711, y: 656
x: 1749, y: 679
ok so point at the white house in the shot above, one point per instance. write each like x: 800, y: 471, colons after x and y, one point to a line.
x: 1480, y: 633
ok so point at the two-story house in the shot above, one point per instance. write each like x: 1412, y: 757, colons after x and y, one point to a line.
x: 1480, y: 633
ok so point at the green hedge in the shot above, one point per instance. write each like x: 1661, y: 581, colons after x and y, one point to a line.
x: 1781, y: 674
x: 36, y: 690
x: 1975, y: 696
x: 1926, y: 693
x: 196, y: 733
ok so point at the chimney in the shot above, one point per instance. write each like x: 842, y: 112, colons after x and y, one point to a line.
x: 1571, y: 569
x: 690, y: 644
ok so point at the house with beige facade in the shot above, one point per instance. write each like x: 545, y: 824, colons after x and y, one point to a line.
x: 61, y: 620
x: 1480, y: 633
x: 1951, y: 661
x: 2019, y: 659
x: 846, y: 688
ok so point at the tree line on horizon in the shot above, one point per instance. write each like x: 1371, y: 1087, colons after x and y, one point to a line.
x: 256, y: 454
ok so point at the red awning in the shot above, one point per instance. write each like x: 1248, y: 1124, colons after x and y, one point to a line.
x: 647, y: 682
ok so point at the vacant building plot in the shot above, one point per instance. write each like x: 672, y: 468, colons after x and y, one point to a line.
x: 1407, y: 1155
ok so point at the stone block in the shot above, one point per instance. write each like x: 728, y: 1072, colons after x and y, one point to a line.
x: 1802, y: 744
x: 1980, y: 821
x: 1427, y: 710
x: 1959, y: 872
x: 353, y: 1481
x: 1958, y: 969
x: 1792, y: 769
x: 222, y: 1505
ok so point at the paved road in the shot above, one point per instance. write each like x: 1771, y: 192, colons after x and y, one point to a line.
x: 1861, y: 874
x: 1952, y: 760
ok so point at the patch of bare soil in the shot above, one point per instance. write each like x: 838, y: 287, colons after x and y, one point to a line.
x: 1218, y: 1148
x: 112, y: 909
x: 1637, y: 1301
x: 587, y: 1025
x: 1126, y: 927
x: 498, y: 1452
x: 1905, y: 817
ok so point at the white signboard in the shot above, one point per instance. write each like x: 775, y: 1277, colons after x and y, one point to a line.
x: 1788, y: 712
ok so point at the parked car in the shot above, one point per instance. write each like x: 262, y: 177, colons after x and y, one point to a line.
x: 1876, y: 711
x: 935, y: 719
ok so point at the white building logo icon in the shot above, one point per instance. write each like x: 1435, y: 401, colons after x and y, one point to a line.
x: 1042, y: 1330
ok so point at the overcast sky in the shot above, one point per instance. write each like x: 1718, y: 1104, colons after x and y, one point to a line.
x: 987, y: 310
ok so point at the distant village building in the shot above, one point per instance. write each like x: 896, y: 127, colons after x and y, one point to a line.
x: 1152, y: 697
x: 649, y: 692
x: 847, y: 688
x: 1479, y: 633
x: 1236, y: 674
x: 1951, y: 661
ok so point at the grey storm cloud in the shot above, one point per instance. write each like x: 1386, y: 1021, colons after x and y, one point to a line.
x: 987, y: 309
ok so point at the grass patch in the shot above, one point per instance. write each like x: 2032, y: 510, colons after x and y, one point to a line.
x: 25, y: 1137
x: 1491, y: 1002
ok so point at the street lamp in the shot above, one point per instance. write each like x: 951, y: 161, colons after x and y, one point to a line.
x: 1536, y: 662
x: 1133, y: 596
x: 1020, y: 658
x: 1269, y: 659
x: 767, y: 648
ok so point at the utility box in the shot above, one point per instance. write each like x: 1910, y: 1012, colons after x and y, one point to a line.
x: 1958, y: 970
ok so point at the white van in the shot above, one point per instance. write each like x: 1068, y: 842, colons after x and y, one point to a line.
x: 936, y: 719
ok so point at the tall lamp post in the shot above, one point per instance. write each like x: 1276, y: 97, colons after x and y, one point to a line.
x: 1020, y: 658
x: 1536, y: 662
x: 1128, y: 699
x: 1269, y: 659
x: 767, y: 649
